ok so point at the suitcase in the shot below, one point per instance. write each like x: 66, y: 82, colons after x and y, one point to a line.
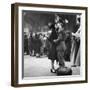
x: 61, y: 71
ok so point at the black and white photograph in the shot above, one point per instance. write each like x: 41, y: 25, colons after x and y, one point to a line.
x: 51, y: 44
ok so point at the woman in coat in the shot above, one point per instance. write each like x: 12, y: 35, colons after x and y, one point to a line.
x: 52, y: 55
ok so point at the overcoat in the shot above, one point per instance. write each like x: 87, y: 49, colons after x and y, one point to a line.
x: 52, y: 50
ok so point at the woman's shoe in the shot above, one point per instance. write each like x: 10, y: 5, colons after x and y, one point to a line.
x: 53, y: 70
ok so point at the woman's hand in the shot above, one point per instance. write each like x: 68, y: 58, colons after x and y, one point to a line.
x: 55, y: 41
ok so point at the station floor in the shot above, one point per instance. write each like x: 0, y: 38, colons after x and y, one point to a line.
x: 36, y: 67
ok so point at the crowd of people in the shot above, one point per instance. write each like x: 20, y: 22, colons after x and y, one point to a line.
x: 37, y: 44
x: 58, y: 45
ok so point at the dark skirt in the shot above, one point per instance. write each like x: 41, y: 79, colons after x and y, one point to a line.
x: 52, y: 55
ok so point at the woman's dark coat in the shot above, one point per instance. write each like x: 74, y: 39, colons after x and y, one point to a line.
x: 52, y: 51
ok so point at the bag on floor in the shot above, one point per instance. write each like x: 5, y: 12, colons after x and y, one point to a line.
x: 61, y: 71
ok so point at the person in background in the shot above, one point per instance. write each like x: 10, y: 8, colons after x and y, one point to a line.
x: 30, y: 44
x: 75, y: 55
x: 26, y: 50
x: 48, y: 44
x: 42, y: 41
x: 38, y: 45
x: 33, y: 44
x: 68, y: 43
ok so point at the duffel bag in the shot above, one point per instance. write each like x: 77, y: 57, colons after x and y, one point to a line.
x: 61, y: 71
